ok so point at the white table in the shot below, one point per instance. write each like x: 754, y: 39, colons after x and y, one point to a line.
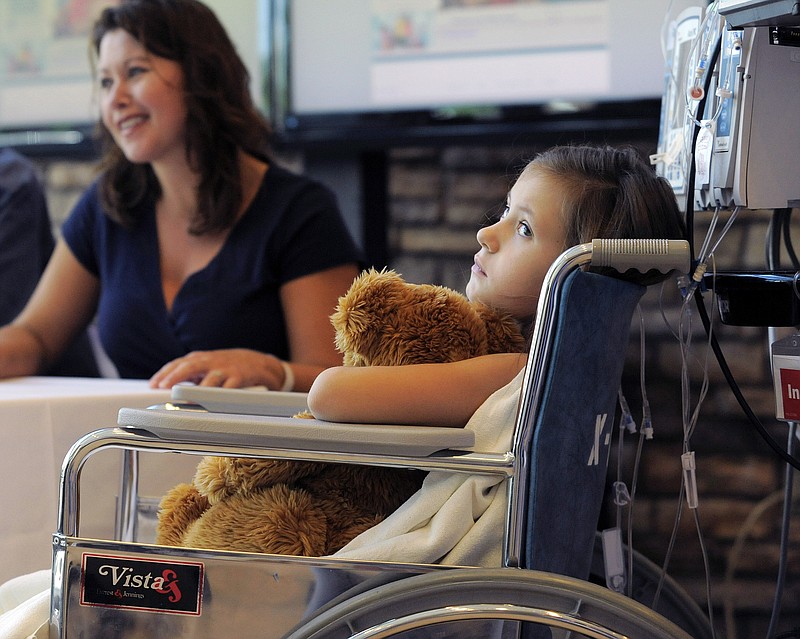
x: 40, y: 418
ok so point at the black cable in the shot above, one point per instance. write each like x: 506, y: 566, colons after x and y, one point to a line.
x: 770, y: 441
x: 787, y: 239
x: 784, y: 548
x: 772, y: 244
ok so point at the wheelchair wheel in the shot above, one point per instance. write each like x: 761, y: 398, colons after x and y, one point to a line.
x: 424, y: 604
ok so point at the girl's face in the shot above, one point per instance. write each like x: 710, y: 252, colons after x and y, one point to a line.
x: 141, y: 99
x: 517, y: 250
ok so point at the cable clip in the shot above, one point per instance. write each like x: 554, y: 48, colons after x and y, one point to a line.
x: 621, y: 495
x: 613, y: 559
x: 626, y: 420
x: 689, y: 467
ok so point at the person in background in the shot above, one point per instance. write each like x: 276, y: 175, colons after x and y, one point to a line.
x: 200, y: 257
x: 26, y: 242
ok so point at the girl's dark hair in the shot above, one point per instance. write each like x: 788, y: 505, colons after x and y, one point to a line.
x: 221, y: 116
x: 611, y: 193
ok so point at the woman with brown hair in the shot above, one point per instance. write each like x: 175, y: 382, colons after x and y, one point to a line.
x: 201, y: 258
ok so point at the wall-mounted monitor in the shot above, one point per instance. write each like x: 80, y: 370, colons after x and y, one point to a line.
x: 378, y: 71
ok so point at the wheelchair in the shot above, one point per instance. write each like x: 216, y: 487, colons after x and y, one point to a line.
x: 554, y: 478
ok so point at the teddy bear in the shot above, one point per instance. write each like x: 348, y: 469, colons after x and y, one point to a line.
x: 313, y: 508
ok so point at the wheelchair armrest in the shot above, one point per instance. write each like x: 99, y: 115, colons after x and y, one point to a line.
x: 262, y: 431
x: 241, y: 401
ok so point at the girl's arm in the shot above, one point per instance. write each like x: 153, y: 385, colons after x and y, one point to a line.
x: 424, y: 394
x: 62, y: 304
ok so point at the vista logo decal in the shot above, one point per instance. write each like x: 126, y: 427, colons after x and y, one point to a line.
x: 142, y: 584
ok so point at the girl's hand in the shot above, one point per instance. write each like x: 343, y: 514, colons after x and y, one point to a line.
x: 230, y: 368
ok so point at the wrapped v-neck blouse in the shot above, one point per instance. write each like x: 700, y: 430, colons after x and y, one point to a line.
x: 291, y: 229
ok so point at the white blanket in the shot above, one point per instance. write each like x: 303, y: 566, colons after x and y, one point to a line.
x: 25, y: 606
x: 453, y: 519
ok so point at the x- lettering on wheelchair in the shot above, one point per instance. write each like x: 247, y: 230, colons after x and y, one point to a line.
x: 555, y: 474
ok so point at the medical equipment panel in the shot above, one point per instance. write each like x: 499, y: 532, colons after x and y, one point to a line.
x: 752, y: 13
x: 767, y: 148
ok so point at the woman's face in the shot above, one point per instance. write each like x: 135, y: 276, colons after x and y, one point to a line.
x: 517, y: 251
x: 141, y: 100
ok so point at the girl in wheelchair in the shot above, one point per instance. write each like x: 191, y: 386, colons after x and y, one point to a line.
x: 566, y: 196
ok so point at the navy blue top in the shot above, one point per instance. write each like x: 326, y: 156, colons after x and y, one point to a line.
x: 291, y: 229
x: 26, y: 240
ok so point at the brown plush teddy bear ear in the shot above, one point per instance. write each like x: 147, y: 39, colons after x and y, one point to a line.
x: 361, y: 313
x: 503, y: 334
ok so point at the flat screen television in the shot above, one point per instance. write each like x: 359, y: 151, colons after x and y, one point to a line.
x: 379, y: 71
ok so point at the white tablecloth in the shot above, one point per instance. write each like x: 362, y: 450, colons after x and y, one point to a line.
x: 40, y: 418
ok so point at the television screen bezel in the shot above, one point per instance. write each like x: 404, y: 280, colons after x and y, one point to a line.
x: 603, y: 119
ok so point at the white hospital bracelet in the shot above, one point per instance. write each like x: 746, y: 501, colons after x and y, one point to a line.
x: 288, y: 377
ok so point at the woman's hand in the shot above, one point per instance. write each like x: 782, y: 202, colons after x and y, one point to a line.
x: 307, y: 303
x: 229, y: 368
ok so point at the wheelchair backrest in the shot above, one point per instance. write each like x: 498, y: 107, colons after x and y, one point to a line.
x: 573, y: 424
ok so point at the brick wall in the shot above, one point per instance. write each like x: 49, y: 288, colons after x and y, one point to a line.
x: 438, y: 197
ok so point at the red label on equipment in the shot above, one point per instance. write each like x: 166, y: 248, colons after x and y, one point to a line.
x: 790, y: 392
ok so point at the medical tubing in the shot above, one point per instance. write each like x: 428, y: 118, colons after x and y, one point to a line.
x: 724, y: 232
x: 707, y: 569
x: 785, y: 522
x: 646, y: 432
x: 632, y: 500
x: 726, y: 371
x: 642, y: 255
x: 691, y: 169
x: 735, y: 552
x: 621, y: 496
